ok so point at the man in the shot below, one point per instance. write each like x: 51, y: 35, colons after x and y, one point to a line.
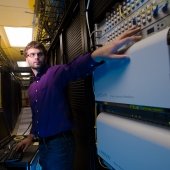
x: 49, y: 103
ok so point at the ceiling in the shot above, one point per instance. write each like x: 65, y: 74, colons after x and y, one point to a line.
x: 14, y: 13
x: 44, y: 17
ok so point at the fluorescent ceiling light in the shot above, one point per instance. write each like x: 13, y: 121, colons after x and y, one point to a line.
x: 22, y: 64
x: 18, y: 36
x: 25, y: 74
x: 26, y: 78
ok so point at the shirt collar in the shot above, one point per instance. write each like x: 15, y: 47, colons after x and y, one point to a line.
x: 41, y: 72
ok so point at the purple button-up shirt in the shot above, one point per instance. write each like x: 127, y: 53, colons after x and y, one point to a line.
x: 48, y: 95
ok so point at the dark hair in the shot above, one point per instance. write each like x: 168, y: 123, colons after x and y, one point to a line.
x: 37, y: 45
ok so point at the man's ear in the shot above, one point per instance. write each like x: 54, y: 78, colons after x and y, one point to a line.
x: 26, y: 59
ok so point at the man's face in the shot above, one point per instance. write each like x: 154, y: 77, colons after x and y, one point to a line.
x: 35, y: 58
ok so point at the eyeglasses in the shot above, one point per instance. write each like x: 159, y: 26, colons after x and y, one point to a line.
x: 32, y: 55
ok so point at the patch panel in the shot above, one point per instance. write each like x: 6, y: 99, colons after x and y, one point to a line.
x: 151, y: 15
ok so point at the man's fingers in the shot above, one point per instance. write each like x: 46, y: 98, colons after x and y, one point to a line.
x: 136, y: 38
x: 19, y: 146
x: 131, y: 32
x: 123, y: 44
x: 25, y: 147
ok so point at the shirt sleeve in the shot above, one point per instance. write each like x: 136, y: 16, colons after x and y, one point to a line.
x: 81, y: 66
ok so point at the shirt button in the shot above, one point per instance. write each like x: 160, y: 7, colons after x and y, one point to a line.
x: 37, y: 111
x: 36, y: 90
x: 37, y: 81
x: 37, y: 122
x: 36, y: 100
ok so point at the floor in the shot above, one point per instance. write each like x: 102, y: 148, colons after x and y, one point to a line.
x: 23, y: 124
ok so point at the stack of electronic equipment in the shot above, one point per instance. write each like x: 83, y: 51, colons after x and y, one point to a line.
x: 132, y: 94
